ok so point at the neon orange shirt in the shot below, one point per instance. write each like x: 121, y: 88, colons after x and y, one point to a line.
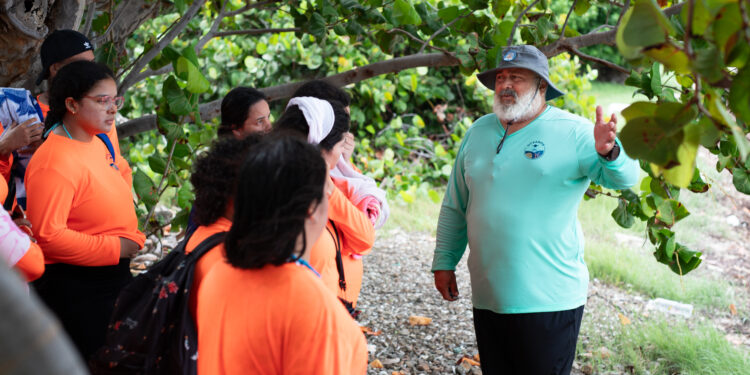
x: 323, y: 259
x: 208, y: 260
x: 275, y: 320
x: 121, y: 163
x: 357, y: 238
x: 78, y: 205
x: 31, y: 264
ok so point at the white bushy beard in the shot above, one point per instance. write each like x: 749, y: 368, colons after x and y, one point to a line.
x: 522, y: 110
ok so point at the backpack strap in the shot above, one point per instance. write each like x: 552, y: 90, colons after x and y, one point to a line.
x: 8, y: 204
x: 207, y: 244
x: 339, y: 260
x: 111, y: 149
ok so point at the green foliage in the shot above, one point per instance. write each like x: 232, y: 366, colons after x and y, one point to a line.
x: 665, y: 134
x: 409, y: 124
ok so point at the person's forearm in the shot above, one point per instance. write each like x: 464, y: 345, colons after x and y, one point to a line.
x: 5, y: 147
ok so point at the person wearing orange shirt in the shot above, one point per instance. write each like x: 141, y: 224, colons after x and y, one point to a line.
x: 17, y: 248
x: 265, y: 311
x: 81, y: 206
x: 324, y: 124
x: 214, y: 181
x: 59, y: 48
x: 360, y: 190
x: 244, y: 111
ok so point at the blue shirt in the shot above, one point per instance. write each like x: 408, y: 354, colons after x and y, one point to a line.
x: 518, y: 211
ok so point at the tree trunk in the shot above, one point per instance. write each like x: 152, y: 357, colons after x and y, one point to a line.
x: 23, y: 27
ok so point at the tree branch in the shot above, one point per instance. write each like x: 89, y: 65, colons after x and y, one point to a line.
x: 215, y: 26
x: 212, y: 109
x: 624, y: 9
x: 745, y: 21
x: 689, y: 28
x: 145, y: 58
x: 562, y: 33
x: 518, y: 20
x: 424, y: 44
x: 90, y: 12
x: 440, y: 30
x: 256, y: 31
x: 591, y: 38
x: 250, y: 6
x: 598, y: 60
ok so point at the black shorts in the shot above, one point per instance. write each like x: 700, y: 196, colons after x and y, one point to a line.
x: 531, y: 343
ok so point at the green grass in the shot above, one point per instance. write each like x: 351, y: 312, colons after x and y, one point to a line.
x: 657, y: 347
x: 419, y: 216
x: 607, y: 93
x: 633, y: 266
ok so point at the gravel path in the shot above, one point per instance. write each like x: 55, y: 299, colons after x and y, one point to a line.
x: 398, y: 284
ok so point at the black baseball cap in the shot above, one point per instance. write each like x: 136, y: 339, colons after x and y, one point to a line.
x: 59, y: 45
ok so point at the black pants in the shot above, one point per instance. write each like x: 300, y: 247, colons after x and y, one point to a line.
x: 532, y: 343
x: 83, y: 298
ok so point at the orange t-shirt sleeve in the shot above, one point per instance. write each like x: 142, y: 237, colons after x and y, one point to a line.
x: 49, y: 203
x: 32, y: 264
x: 356, y: 231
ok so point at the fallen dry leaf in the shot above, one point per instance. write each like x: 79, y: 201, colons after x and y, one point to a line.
x: 419, y: 320
x: 398, y: 373
x: 623, y: 319
x: 604, y: 352
x: 369, y: 331
x: 469, y: 360
x: 733, y: 309
x: 376, y: 364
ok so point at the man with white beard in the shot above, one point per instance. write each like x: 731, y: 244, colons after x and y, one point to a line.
x: 513, y: 196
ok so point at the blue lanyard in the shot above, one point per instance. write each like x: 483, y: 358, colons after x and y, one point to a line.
x: 302, y: 262
x: 53, y: 128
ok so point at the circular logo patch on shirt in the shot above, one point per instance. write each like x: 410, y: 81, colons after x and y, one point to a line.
x: 534, y: 150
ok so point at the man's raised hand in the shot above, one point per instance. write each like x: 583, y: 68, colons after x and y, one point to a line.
x: 604, y: 132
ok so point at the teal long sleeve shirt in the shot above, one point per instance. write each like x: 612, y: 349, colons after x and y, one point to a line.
x: 518, y: 211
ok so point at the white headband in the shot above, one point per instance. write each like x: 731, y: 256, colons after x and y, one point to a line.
x: 318, y: 114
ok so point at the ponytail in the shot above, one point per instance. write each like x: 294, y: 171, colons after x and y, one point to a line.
x: 74, y: 80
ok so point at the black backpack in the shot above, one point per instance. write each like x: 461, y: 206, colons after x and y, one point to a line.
x: 151, y: 330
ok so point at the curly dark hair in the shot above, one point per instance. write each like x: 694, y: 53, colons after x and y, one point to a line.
x: 282, y: 177
x: 214, y: 176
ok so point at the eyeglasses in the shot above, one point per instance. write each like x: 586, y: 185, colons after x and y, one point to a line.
x: 107, y: 100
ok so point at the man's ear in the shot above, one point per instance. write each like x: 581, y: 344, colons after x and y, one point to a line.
x: 54, y: 68
x: 237, y: 133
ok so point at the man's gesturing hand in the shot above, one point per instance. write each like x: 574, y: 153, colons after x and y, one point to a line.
x: 445, y: 282
x: 604, y: 132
